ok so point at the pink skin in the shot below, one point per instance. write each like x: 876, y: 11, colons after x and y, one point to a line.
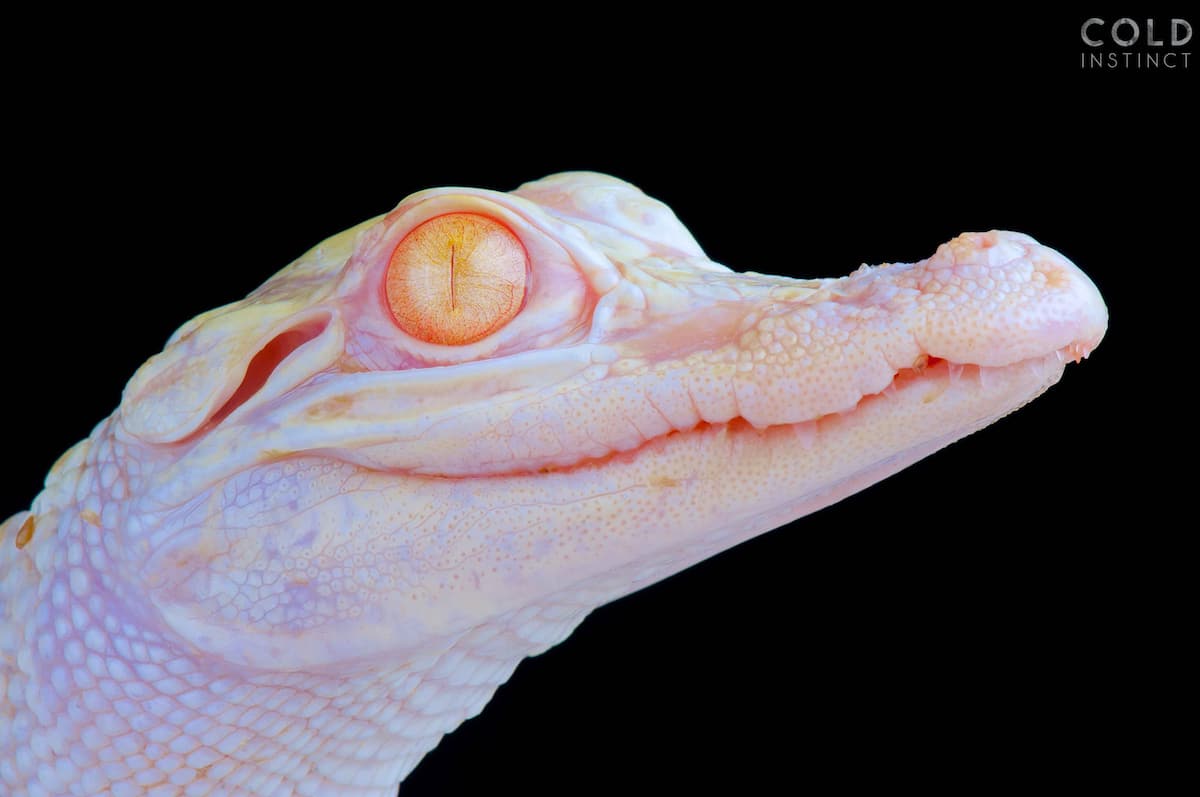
x: 307, y: 544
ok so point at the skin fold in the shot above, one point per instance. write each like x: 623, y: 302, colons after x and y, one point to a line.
x: 309, y: 542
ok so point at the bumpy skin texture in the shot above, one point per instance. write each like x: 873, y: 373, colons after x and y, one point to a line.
x: 308, y: 545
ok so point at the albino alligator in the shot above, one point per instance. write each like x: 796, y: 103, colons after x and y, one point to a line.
x: 328, y: 520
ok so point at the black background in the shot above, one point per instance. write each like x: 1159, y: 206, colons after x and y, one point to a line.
x: 1004, y: 612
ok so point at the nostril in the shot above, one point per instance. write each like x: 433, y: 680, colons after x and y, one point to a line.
x: 993, y: 249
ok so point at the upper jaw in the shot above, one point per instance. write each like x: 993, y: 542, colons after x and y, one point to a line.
x: 671, y: 349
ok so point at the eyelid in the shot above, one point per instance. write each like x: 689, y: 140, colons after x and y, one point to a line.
x: 558, y: 299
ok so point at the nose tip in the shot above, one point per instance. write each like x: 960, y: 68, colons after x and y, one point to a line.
x: 998, y: 297
x: 1092, y: 313
x: 1082, y: 309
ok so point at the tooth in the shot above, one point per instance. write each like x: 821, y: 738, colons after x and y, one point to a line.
x: 955, y: 371
x: 806, y: 433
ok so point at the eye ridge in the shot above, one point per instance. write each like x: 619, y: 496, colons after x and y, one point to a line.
x: 454, y: 279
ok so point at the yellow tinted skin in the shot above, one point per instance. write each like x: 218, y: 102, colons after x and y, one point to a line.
x: 456, y: 279
x: 305, y: 547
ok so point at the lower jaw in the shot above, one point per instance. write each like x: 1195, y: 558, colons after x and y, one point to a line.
x: 685, y: 497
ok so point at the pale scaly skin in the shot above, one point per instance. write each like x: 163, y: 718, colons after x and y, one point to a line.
x: 301, y: 596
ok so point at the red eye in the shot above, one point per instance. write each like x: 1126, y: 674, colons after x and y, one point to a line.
x: 456, y: 279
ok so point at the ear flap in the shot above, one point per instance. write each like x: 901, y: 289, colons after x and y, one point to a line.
x: 222, y: 358
x: 214, y: 363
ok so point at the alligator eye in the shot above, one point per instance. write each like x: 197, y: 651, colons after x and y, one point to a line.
x: 456, y: 279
